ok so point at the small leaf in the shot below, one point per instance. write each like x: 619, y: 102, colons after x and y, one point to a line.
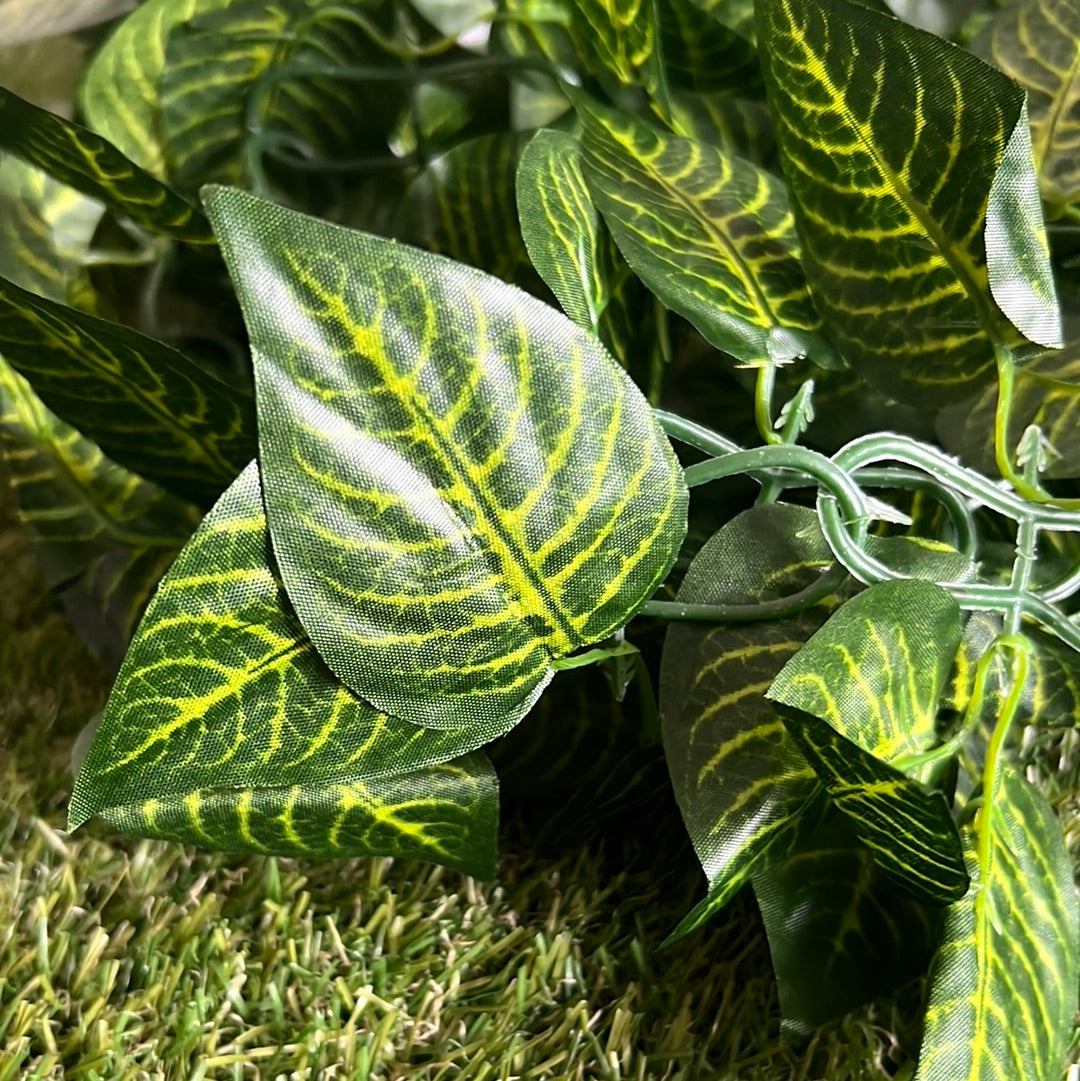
x: 710, y: 234
x: 1037, y: 43
x: 222, y: 690
x: 1003, y: 983
x: 77, y: 157
x: 155, y: 412
x: 462, y: 486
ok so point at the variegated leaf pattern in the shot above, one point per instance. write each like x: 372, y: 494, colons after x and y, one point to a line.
x: 444, y: 814
x: 78, y: 157
x: 104, y: 536
x: 154, y: 411
x: 710, y: 234
x: 222, y: 691
x: 890, y: 139
x: 745, y: 792
x: 908, y: 829
x: 45, y: 231
x: 234, y: 80
x: 463, y: 206
x: 119, y: 89
x: 840, y: 933
x: 1003, y: 982
x: 1046, y: 392
x: 462, y: 486
x: 1037, y: 43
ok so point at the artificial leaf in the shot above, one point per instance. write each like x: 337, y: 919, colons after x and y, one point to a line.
x: 462, y: 486
x: 745, y: 793
x: 702, y: 51
x: 104, y: 536
x: 119, y: 89
x: 908, y: 829
x: 221, y: 689
x: 463, y: 206
x: 890, y: 189
x: 616, y: 39
x: 1037, y: 43
x: 840, y: 934
x: 78, y: 157
x: 710, y: 234
x: 1046, y: 392
x: 733, y: 125
x: 267, y: 89
x: 154, y: 411
x: 1003, y: 983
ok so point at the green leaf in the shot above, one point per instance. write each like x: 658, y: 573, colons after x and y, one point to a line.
x: 154, y: 411
x: 119, y: 89
x: 745, y: 792
x: 462, y: 486
x: 711, y: 235
x: 85, y: 161
x: 890, y: 189
x: 1037, y: 43
x: 463, y: 206
x: 862, y: 693
x: 222, y: 692
x: 840, y: 933
x: 1046, y: 392
x: 104, y: 536
x: 1003, y: 984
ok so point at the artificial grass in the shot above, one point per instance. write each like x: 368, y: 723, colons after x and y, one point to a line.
x: 126, y: 960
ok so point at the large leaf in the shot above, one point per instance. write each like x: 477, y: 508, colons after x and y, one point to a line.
x: 222, y: 700
x: 461, y: 485
x: 119, y: 90
x: 105, y: 536
x: 710, y: 234
x: 745, y: 793
x: 85, y: 161
x: 1046, y: 392
x: 154, y: 411
x: 1037, y: 42
x: 1003, y: 984
x: 890, y: 190
x: 840, y: 933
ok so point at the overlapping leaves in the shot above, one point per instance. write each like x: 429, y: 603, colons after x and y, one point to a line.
x: 225, y: 727
x: 461, y: 485
x: 891, y: 140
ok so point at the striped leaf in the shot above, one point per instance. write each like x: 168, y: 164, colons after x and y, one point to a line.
x: 75, y: 156
x: 710, y: 234
x: 223, y: 703
x: 1003, y: 983
x: 1046, y: 392
x: 863, y: 693
x: 119, y: 89
x: 104, y: 536
x: 840, y: 933
x: 155, y: 412
x: 1037, y: 43
x: 890, y: 189
x: 745, y: 792
x: 462, y: 486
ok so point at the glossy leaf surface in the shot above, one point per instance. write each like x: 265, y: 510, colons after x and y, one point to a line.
x: 711, y: 235
x: 154, y: 411
x: 1003, y: 984
x: 1046, y: 392
x: 222, y: 690
x: 105, y: 536
x: 890, y: 139
x: 745, y: 792
x: 119, y: 90
x: 462, y: 486
x: 87, y: 162
x: 840, y: 933
x: 1037, y: 43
